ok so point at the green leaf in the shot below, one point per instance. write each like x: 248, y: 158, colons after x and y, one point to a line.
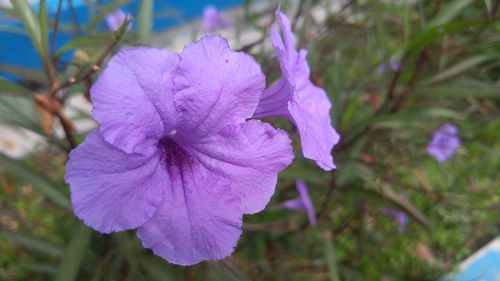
x: 28, y: 74
x: 87, y: 42
x: 32, y: 243
x: 435, y: 34
x: 44, y: 26
x: 392, y: 196
x: 23, y: 172
x: 73, y: 256
x: 461, y: 88
x: 449, y: 11
x: 145, y: 20
x: 330, y: 257
x: 31, y: 23
x: 7, y: 87
x: 456, y: 69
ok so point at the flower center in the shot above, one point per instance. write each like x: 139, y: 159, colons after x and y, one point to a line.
x: 175, y: 154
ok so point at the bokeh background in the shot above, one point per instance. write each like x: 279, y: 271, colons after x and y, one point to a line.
x: 395, y: 71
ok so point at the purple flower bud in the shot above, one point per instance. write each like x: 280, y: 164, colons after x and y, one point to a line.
x: 303, y: 202
x: 213, y: 19
x: 116, y: 18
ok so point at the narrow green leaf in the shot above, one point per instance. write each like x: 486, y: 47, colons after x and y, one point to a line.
x: 32, y: 243
x: 457, y: 69
x: 449, y: 11
x: 86, y: 42
x: 30, y: 21
x: 27, y: 74
x: 330, y: 257
x: 392, y: 196
x: 73, y: 256
x: 434, y: 34
x: 44, y: 26
x: 145, y: 21
x: 7, y: 87
x: 23, y: 172
x: 460, y: 88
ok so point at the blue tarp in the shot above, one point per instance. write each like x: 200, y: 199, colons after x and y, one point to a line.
x: 16, y: 49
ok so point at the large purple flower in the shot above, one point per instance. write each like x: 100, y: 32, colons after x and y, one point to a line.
x: 213, y: 19
x: 295, y: 97
x: 444, y: 142
x: 174, y: 155
x: 303, y: 202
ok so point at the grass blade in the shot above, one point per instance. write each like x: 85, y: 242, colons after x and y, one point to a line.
x: 23, y: 172
x: 33, y: 243
x: 73, y: 256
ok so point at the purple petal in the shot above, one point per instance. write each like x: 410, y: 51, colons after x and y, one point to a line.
x: 395, y: 66
x: 294, y: 204
x: 215, y: 86
x: 306, y: 201
x: 112, y: 190
x: 250, y: 155
x: 199, y: 218
x: 295, y: 97
x: 310, y: 112
x: 133, y: 98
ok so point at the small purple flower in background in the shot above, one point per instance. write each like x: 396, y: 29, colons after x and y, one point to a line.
x: 395, y: 66
x: 174, y: 155
x: 116, y: 18
x: 213, y: 19
x: 444, y: 142
x: 303, y: 202
x: 400, y: 217
x: 295, y: 97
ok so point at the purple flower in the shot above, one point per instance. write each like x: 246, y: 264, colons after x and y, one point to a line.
x: 295, y: 97
x: 116, y: 18
x: 303, y: 202
x: 395, y: 66
x: 399, y: 216
x: 213, y: 19
x: 444, y: 142
x: 174, y: 156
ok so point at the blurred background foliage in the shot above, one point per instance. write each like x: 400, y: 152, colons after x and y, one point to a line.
x: 448, y: 56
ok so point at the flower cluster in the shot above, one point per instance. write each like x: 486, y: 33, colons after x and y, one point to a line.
x: 444, y: 143
x: 179, y: 153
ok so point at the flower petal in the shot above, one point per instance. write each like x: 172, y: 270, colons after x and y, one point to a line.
x: 199, y: 218
x: 215, y: 86
x: 310, y: 111
x: 133, y: 98
x: 112, y: 190
x: 250, y: 155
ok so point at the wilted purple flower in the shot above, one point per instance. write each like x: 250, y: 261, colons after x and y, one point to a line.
x: 303, y: 202
x: 399, y: 216
x: 116, y: 18
x: 213, y: 19
x: 295, y: 97
x: 444, y: 142
x: 174, y: 155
